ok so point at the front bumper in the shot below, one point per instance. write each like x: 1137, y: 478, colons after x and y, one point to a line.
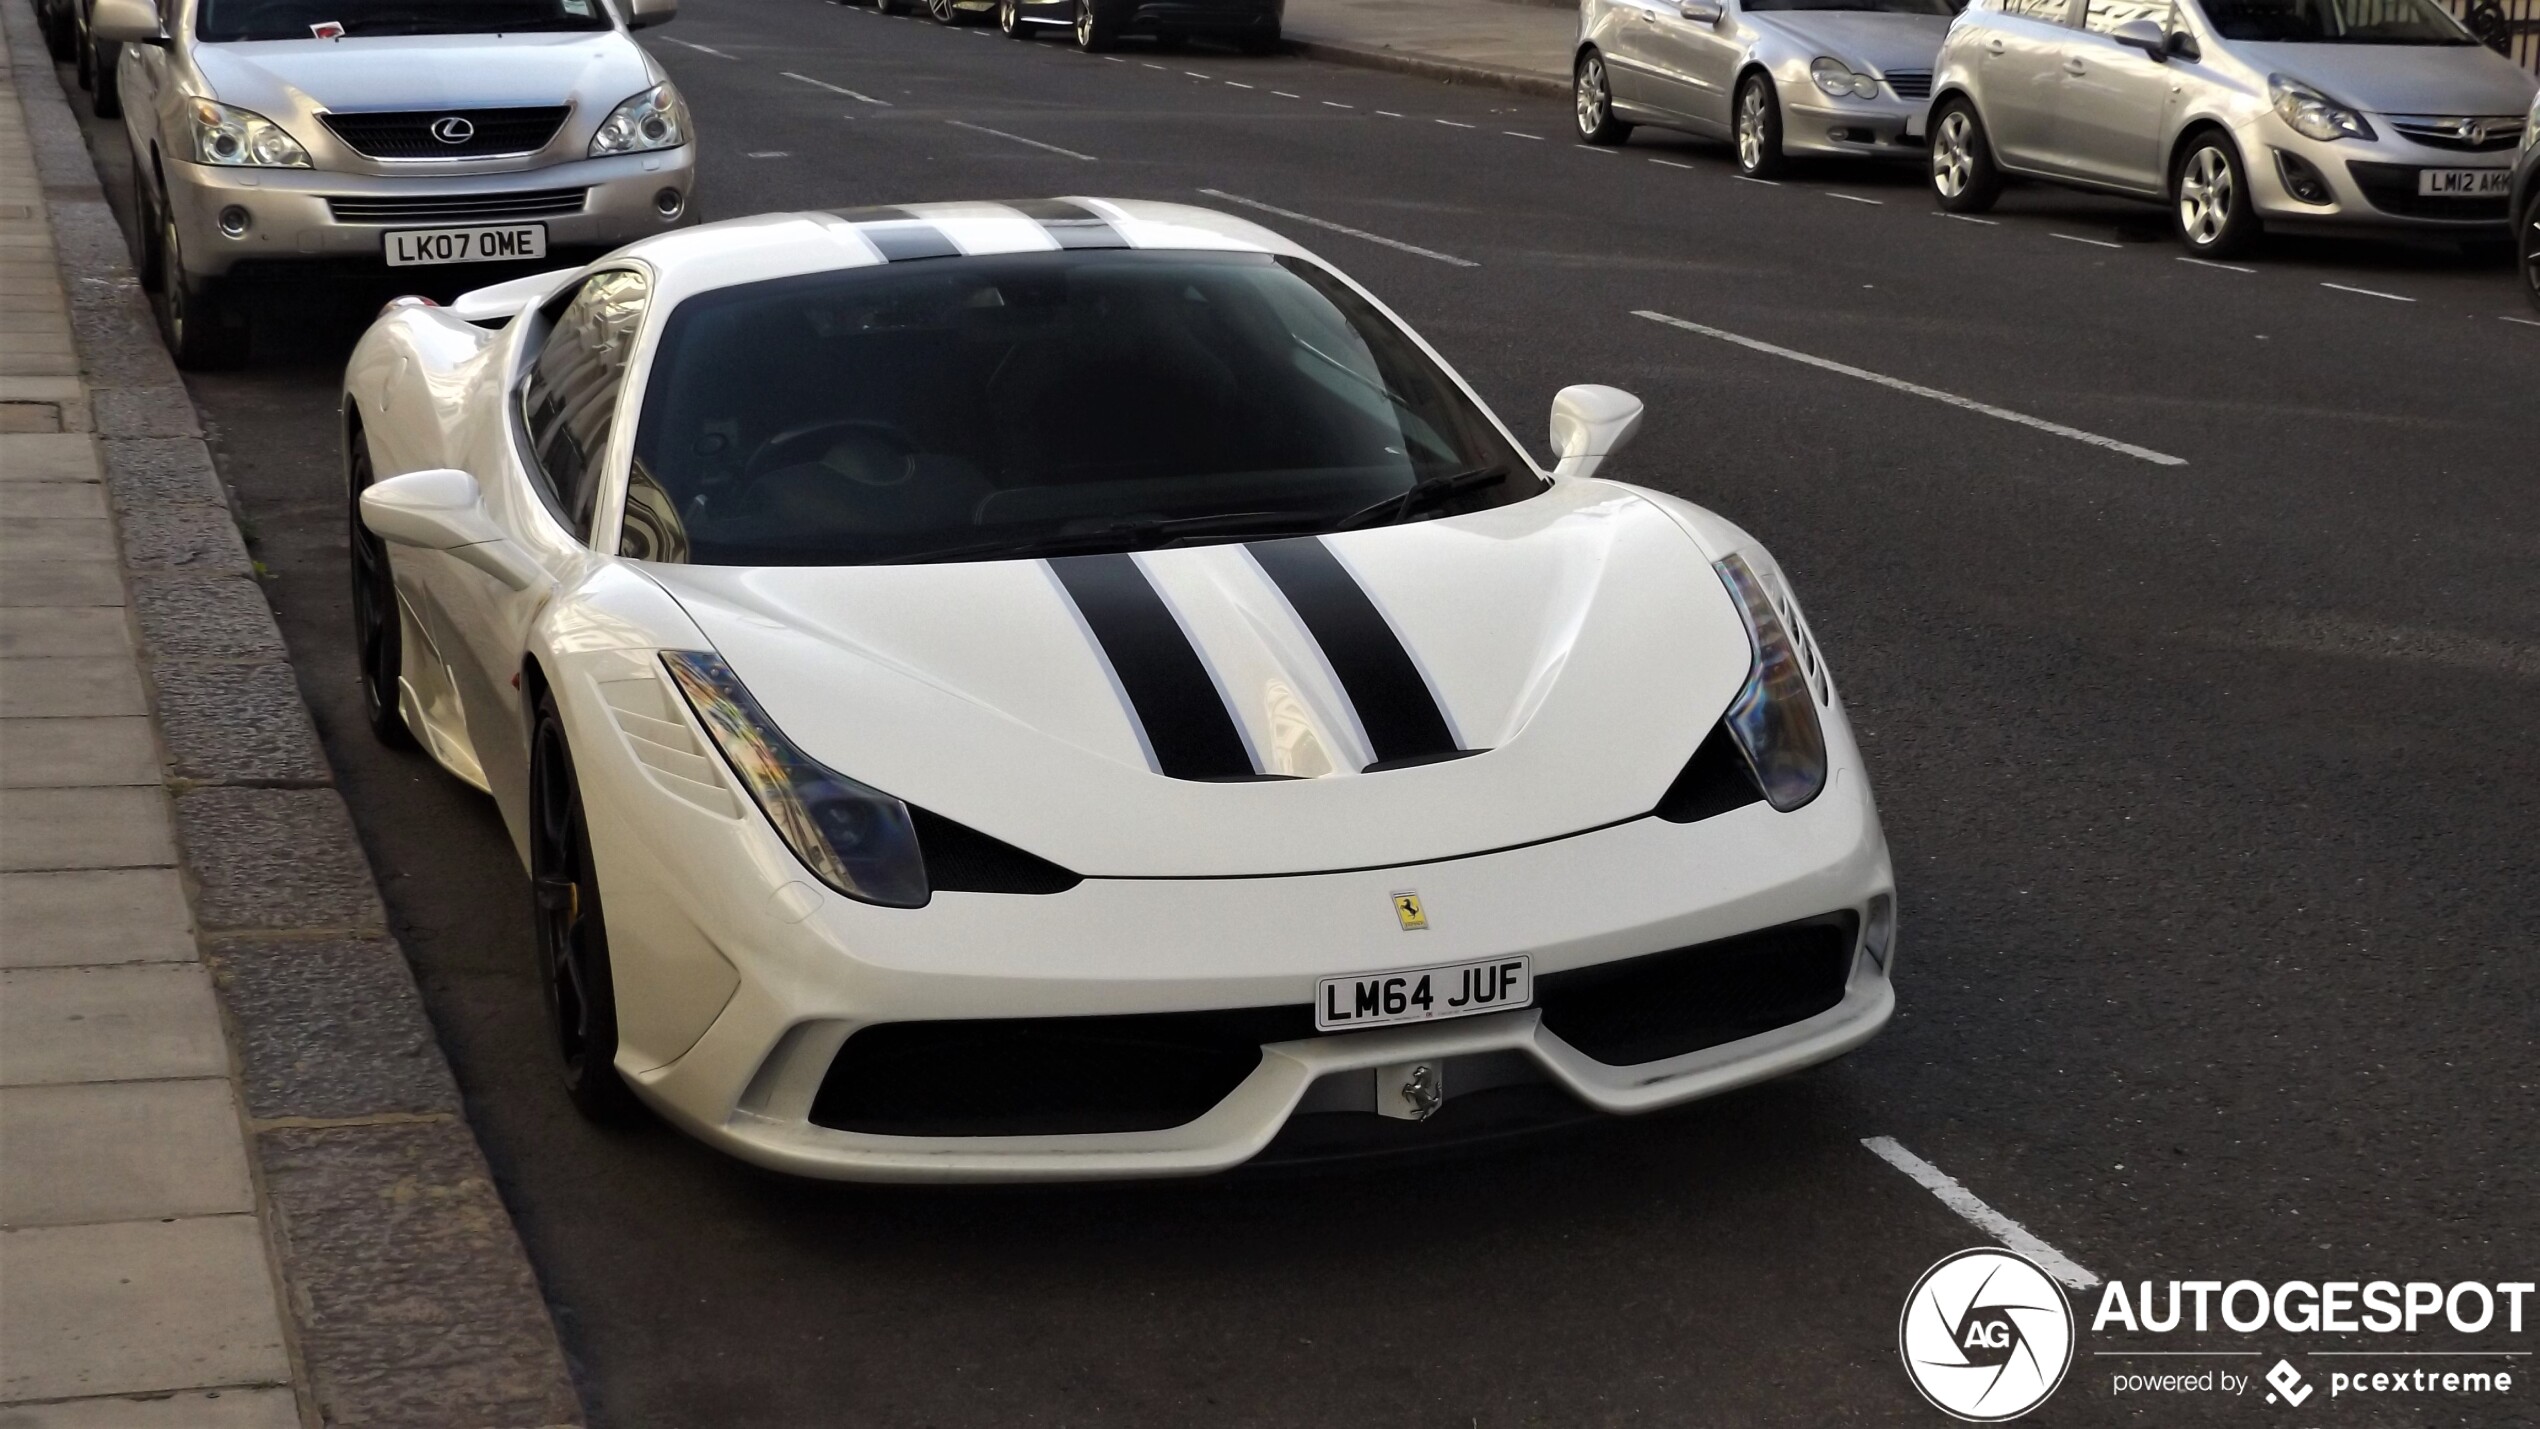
x: 739, y: 983
x: 1882, y: 128
x: 587, y: 204
x: 2367, y: 184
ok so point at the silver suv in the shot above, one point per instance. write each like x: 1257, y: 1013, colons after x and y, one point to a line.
x: 2237, y: 114
x: 286, y: 137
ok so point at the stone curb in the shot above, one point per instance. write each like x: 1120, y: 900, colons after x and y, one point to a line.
x: 412, y: 1302
x: 1431, y: 67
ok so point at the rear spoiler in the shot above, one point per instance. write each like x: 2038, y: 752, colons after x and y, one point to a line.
x: 499, y: 304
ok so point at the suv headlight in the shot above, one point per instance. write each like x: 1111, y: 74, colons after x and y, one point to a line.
x: 654, y: 119
x: 858, y: 840
x: 1774, y: 718
x: 2312, y: 114
x: 1840, y: 80
x: 239, y: 138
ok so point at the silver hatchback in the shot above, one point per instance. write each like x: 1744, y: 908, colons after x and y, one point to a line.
x: 2239, y: 115
x: 284, y: 137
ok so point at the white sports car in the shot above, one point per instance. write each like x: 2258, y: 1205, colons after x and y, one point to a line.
x: 1076, y: 689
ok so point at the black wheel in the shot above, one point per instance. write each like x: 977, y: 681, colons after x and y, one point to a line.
x: 890, y: 7
x: 202, y: 329
x: 61, y: 42
x: 2527, y: 244
x: 105, y: 94
x: 83, y: 58
x: 573, y: 940
x: 2209, y: 198
x: 1594, y: 91
x: 378, y: 635
x: 944, y: 13
x: 1010, y: 20
x: 1963, y: 177
x: 1097, y: 28
x: 1260, y: 42
x: 1759, y: 128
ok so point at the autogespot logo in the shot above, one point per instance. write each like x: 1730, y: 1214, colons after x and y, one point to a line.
x: 1986, y: 1336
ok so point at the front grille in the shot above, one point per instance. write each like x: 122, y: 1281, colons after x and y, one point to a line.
x: 2499, y: 133
x: 1667, y: 1004
x: 457, y: 208
x: 409, y: 134
x: 2392, y: 188
x: 1047, y: 1076
x: 1910, y: 83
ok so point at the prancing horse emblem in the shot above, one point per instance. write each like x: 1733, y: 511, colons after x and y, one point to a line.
x: 1406, y: 906
x: 453, y: 129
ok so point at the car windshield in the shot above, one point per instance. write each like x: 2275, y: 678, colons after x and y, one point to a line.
x: 219, y: 21
x: 1943, y: 8
x: 2336, y: 22
x: 986, y: 408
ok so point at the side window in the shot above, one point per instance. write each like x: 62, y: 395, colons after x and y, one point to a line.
x: 570, y: 399
x: 2105, y: 15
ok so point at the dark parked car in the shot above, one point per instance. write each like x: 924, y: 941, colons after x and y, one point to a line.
x: 2526, y: 209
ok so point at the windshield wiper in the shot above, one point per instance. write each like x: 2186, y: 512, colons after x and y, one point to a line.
x: 1135, y: 535
x: 1426, y: 492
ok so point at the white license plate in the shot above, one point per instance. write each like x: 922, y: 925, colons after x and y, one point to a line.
x: 2464, y: 183
x: 413, y: 247
x: 1423, y: 994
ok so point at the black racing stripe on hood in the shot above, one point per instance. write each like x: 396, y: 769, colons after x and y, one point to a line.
x: 1185, y: 718
x: 1401, y: 716
x: 1072, y: 224
x: 899, y: 235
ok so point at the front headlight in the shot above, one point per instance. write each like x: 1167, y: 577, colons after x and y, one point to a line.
x: 239, y: 138
x: 654, y: 119
x: 2312, y: 114
x: 1774, y: 718
x: 858, y: 840
x: 1841, y: 80
x: 2531, y: 126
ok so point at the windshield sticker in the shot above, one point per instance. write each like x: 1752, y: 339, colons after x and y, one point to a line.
x: 328, y: 29
x: 578, y: 7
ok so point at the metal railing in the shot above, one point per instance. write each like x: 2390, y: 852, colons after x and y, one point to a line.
x: 2510, y: 27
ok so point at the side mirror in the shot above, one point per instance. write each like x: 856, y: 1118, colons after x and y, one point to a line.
x: 644, y: 14
x: 2145, y: 36
x: 126, y: 22
x: 1700, y: 12
x: 2184, y: 46
x: 443, y: 510
x: 1590, y: 424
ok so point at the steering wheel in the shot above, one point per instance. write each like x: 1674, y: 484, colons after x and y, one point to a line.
x: 813, y: 440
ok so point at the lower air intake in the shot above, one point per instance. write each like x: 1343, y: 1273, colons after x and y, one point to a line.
x: 1647, y: 1009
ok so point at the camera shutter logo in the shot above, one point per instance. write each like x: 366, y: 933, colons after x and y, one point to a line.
x: 453, y: 129
x: 1986, y: 1335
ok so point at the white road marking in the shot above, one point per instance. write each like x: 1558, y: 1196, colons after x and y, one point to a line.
x: 1971, y: 218
x: 2526, y: 322
x: 1670, y: 163
x: 1916, y: 388
x: 1592, y: 149
x: 1149, y: 66
x: 2093, y: 242
x: 1389, y: 114
x: 1451, y: 124
x: 700, y: 49
x: 2210, y: 263
x: 1976, y: 1213
x: 1237, y: 84
x: 1856, y: 198
x: 2367, y: 292
x: 1513, y: 134
x: 1115, y: 59
x: 1019, y: 139
x: 1751, y: 179
x: 1283, y: 94
x: 836, y: 88
x: 764, y: 154
x: 1394, y: 243
x: 1195, y: 74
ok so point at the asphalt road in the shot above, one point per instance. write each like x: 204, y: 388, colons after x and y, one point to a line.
x: 2212, y: 788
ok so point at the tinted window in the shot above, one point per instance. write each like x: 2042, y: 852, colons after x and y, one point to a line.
x: 221, y: 20
x: 1004, y: 406
x: 2353, y: 22
x: 2103, y: 16
x: 570, y: 399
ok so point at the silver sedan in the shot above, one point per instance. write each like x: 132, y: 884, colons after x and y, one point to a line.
x: 1778, y: 77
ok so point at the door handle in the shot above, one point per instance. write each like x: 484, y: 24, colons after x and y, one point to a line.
x: 2073, y: 64
x: 1993, y: 47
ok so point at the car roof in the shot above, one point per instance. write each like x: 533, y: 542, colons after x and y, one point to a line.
x: 779, y: 245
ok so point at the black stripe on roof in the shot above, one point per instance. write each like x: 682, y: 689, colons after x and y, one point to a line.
x: 1169, y: 690
x: 900, y: 236
x: 1072, y: 224
x: 1395, y: 706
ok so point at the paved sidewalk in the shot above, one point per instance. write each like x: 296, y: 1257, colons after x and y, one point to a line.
x: 237, y: 1186
x: 1511, y: 44
x: 132, y: 1259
